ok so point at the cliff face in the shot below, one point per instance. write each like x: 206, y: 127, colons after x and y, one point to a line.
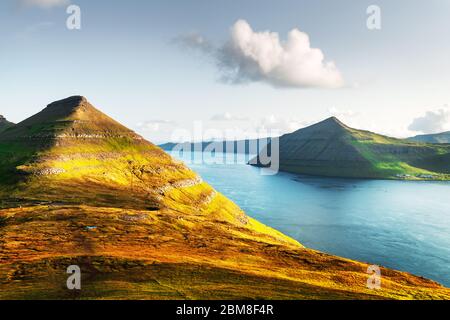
x: 330, y: 148
x: 78, y: 188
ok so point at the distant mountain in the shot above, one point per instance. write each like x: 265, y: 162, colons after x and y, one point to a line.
x: 330, y: 148
x: 443, y: 137
x: 78, y: 188
x: 4, y: 124
x: 248, y: 146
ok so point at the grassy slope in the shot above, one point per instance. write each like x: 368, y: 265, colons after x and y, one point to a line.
x: 390, y: 157
x: 168, y: 254
x: 160, y: 231
x: 332, y: 149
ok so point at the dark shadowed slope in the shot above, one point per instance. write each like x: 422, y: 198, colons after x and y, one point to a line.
x: 76, y: 187
x: 330, y: 148
x: 4, y: 124
x: 443, y: 137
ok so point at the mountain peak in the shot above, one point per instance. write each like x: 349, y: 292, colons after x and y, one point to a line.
x: 73, y: 101
x: 66, y: 108
x: 334, y: 121
x: 72, y: 117
x: 330, y: 126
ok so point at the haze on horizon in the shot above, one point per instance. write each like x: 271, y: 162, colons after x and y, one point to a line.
x: 258, y: 64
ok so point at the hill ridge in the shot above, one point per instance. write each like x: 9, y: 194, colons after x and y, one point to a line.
x: 331, y: 148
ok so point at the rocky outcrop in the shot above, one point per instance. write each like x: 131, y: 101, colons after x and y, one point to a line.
x: 50, y: 171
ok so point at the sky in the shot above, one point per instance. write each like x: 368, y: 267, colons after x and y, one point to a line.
x: 194, y: 69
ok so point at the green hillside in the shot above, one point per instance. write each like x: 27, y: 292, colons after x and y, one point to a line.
x: 330, y: 148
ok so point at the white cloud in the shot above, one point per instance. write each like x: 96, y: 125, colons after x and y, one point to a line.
x: 251, y: 56
x: 43, y: 3
x: 228, y: 117
x: 432, y: 122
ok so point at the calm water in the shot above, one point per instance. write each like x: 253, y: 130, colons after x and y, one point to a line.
x: 397, y: 224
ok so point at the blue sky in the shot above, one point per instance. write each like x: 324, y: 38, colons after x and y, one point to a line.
x: 128, y: 60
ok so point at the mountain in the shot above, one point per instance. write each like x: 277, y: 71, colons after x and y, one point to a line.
x: 443, y: 137
x: 4, y: 124
x: 330, y: 148
x: 78, y: 188
x: 247, y: 146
